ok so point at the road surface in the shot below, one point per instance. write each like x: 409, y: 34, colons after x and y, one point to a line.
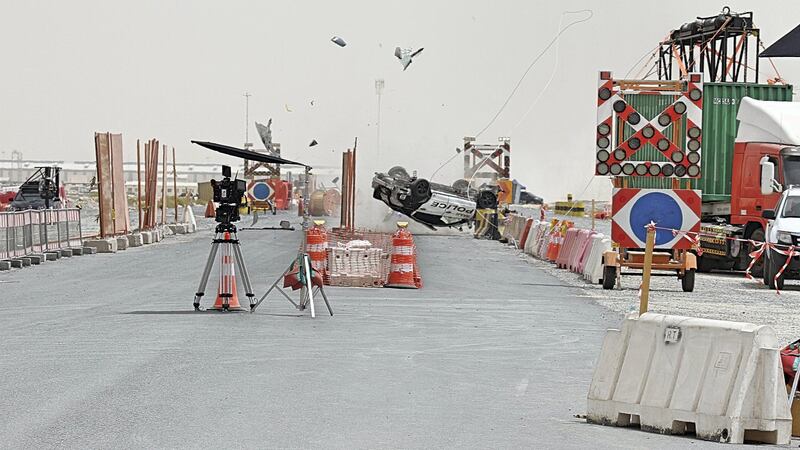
x: 104, y: 351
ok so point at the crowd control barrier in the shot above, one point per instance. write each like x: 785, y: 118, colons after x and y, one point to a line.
x: 39, y: 231
x: 720, y: 380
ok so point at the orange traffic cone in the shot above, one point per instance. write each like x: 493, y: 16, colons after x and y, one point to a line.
x: 403, y: 260
x: 210, y: 210
x: 227, y: 299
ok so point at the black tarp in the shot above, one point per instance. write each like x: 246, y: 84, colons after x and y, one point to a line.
x: 245, y: 154
x: 785, y: 47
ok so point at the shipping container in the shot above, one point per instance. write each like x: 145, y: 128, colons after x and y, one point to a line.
x: 720, y: 106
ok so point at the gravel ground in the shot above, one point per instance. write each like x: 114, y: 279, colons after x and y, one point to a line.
x: 722, y: 296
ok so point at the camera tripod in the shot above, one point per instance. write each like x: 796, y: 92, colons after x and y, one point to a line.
x: 231, y: 254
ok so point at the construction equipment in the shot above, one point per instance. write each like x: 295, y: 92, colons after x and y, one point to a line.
x: 39, y: 191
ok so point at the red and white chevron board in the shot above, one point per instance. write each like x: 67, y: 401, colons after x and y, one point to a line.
x: 672, y: 210
x: 614, y: 155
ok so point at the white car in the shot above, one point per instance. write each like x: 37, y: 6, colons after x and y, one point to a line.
x: 783, y: 230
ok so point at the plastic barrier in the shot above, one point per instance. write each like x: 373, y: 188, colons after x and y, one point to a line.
x: 534, y: 239
x: 566, y: 248
x: 582, y: 250
x: 593, y: 270
x: 526, y: 230
x: 36, y: 231
x: 720, y: 380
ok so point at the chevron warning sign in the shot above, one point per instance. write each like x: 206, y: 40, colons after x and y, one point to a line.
x: 675, y: 132
x: 633, y: 209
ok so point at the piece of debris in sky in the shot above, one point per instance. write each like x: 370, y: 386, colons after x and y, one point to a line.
x: 338, y: 41
x: 286, y: 106
x: 313, y: 143
x: 265, y: 132
x: 312, y: 102
x: 406, y: 55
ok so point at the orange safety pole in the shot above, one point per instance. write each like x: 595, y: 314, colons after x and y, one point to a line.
x: 139, y: 182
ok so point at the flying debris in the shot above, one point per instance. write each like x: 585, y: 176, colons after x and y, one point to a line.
x: 312, y: 102
x: 313, y: 143
x: 338, y: 41
x: 286, y: 106
x: 406, y: 55
x: 265, y: 132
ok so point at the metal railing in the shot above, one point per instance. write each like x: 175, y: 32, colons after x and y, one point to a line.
x: 37, y: 231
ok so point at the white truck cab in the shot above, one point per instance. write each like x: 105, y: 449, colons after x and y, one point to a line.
x: 783, y: 230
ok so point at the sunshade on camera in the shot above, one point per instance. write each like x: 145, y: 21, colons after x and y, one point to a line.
x: 246, y: 154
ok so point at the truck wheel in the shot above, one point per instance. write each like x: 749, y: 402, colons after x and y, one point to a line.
x: 704, y: 264
x: 758, y: 267
x: 776, y: 262
x: 687, y: 282
x: 609, y: 277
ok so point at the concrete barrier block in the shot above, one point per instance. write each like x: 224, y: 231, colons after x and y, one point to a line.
x: 5, y: 265
x: 26, y: 261
x: 178, y: 228
x: 36, y: 259
x: 122, y: 242
x: 673, y: 375
x: 77, y: 251
x: 147, y: 237
x: 16, y: 263
x: 135, y: 240
x: 102, y: 245
x: 52, y: 256
x: 65, y: 252
x: 89, y: 250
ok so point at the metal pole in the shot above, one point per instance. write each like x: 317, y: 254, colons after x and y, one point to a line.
x: 175, y: 184
x: 592, y: 214
x: 139, y: 181
x: 648, y: 264
x: 164, y: 186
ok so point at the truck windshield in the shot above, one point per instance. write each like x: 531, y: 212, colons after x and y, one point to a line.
x: 791, y: 170
x: 791, y: 207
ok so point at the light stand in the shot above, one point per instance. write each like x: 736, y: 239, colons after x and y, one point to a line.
x: 305, y: 272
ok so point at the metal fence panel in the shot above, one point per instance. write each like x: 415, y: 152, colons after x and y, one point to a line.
x: 34, y: 231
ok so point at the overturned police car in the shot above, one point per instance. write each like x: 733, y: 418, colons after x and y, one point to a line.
x: 431, y: 204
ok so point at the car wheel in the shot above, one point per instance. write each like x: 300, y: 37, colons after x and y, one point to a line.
x: 758, y: 267
x: 398, y: 172
x: 776, y: 262
x: 420, y: 190
x: 766, y: 271
x: 486, y: 200
x: 687, y: 282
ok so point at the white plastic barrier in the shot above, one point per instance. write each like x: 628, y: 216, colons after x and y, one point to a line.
x: 534, y: 238
x: 593, y: 271
x: 576, y: 253
x: 545, y: 244
x: 670, y: 374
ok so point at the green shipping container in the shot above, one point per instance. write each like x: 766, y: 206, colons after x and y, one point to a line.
x: 720, y: 106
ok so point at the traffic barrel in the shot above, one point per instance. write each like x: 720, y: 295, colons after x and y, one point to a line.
x: 211, y: 211
x: 403, y: 259
x: 317, y: 248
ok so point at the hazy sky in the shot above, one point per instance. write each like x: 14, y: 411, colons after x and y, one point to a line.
x: 176, y: 70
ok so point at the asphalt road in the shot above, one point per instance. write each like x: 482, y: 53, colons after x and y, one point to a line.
x: 104, y: 351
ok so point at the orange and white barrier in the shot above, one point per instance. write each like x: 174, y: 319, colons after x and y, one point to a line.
x: 564, y: 254
x: 403, y: 272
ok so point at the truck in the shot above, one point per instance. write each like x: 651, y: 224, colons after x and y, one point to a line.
x: 735, y: 116
x: 783, y: 230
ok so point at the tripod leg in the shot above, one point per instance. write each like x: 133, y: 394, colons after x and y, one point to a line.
x: 325, y: 297
x: 237, y: 255
x: 275, y: 285
x: 309, y: 288
x: 201, y: 289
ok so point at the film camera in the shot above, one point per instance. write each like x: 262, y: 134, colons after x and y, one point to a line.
x: 228, y: 193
